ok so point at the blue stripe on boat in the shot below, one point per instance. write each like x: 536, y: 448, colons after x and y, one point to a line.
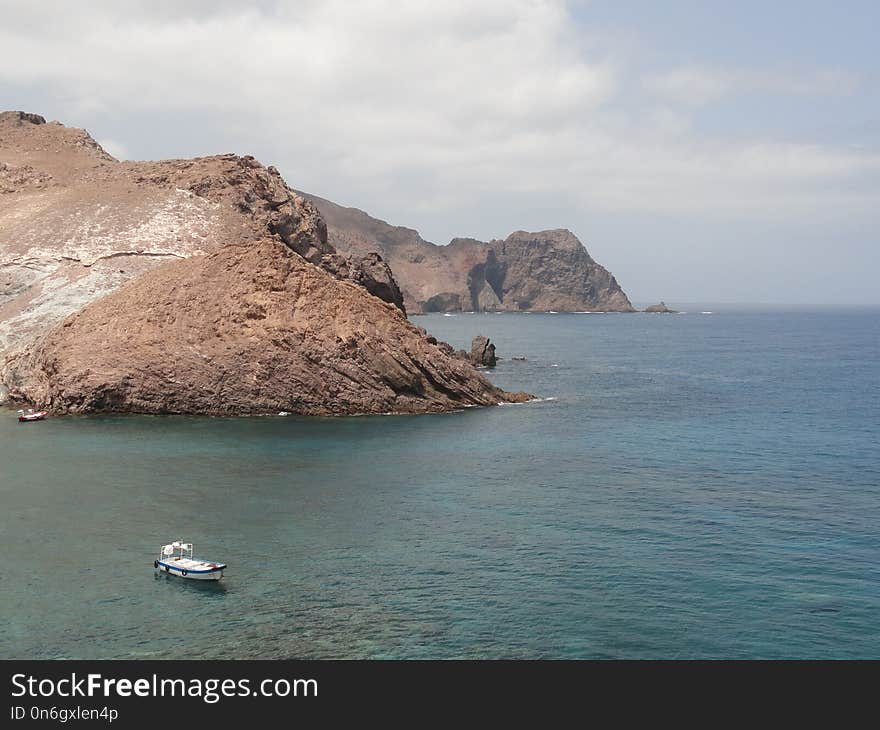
x: 177, y: 567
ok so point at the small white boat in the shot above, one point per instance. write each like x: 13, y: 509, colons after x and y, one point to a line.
x: 31, y: 415
x: 176, y: 558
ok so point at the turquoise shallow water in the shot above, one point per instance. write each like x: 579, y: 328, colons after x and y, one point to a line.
x: 700, y: 486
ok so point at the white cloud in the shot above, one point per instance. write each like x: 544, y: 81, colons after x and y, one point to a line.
x: 425, y: 105
x: 698, y: 85
x: 688, y: 85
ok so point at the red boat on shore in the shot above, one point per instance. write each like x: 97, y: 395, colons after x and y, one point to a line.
x: 31, y: 415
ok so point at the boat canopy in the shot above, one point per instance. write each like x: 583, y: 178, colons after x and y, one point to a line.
x: 183, y: 547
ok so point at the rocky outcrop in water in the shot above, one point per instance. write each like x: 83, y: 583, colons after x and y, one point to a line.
x: 660, y: 308
x: 547, y: 270
x: 482, y: 352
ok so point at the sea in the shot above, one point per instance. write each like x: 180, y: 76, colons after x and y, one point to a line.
x: 684, y: 486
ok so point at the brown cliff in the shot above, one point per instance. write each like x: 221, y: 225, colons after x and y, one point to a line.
x: 75, y: 223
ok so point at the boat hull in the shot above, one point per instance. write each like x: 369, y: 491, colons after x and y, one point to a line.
x: 206, y: 574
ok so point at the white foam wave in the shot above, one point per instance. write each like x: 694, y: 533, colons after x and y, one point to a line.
x: 531, y: 400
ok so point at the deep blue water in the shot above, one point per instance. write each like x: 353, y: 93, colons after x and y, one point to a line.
x: 699, y: 486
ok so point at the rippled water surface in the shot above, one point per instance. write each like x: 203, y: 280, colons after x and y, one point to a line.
x: 698, y: 486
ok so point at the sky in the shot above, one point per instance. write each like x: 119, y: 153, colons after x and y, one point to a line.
x: 702, y: 151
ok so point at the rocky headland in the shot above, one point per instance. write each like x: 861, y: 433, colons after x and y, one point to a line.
x: 196, y: 286
x: 660, y: 308
x: 542, y: 271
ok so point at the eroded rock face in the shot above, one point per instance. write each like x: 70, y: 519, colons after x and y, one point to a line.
x: 548, y: 270
x: 251, y: 328
x: 369, y: 271
x: 75, y: 223
x: 17, y: 118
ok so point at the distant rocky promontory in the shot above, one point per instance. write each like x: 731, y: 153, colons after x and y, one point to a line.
x: 196, y: 286
x: 660, y: 308
x: 547, y: 270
